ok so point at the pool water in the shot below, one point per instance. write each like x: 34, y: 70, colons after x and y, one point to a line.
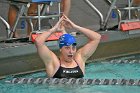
x: 127, y: 67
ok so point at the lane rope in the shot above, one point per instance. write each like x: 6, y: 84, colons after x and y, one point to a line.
x: 78, y: 81
x: 124, y: 61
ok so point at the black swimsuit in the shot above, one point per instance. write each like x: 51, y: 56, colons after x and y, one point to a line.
x: 63, y: 72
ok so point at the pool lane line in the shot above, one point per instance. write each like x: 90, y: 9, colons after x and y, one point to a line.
x: 77, y: 81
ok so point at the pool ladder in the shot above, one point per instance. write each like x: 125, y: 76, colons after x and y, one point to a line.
x: 113, y: 6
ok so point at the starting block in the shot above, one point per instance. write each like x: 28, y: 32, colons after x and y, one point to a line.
x: 129, y: 26
x: 54, y: 36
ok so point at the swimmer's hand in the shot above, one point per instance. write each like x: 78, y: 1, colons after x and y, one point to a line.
x: 58, y: 25
x: 68, y: 22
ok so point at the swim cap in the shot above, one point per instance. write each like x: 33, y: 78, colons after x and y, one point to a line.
x: 66, y: 40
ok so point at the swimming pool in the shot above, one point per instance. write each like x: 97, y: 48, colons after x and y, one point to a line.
x: 127, y: 67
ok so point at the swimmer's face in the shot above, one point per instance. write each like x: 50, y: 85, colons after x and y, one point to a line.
x: 68, y: 52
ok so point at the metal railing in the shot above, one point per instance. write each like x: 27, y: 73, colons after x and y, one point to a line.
x: 7, y: 26
x: 112, y: 4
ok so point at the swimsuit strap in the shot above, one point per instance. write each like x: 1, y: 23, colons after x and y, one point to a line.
x: 76, y: 62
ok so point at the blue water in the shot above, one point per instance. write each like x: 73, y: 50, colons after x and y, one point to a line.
x: 128, y: 69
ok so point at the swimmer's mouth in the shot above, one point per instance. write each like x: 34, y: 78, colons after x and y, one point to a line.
x: 70, y: 55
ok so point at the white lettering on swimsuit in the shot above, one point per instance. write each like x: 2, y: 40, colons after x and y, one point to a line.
x: 72, y: 71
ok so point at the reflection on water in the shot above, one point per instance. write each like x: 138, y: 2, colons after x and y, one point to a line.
x: 112, y: 68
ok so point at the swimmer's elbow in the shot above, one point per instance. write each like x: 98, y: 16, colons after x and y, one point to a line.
x: 99, y: 37
x: 38, y: 42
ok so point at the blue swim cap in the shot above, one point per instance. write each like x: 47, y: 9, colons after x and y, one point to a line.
x: 66, y: 40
